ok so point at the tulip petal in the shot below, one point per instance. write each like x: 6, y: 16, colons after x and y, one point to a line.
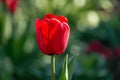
x: 37, y: 23
x: 66, y: 26
x: 49, y: 16
x: 58, y: 42
x: 52, y: 26
x: 62, y: 19
x: 42, y: 34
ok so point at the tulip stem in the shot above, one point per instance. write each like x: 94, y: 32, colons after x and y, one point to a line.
x: 53, y: 66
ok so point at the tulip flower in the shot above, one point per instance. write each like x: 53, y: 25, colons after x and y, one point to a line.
x: 52, y: 34
x: 11, y: 5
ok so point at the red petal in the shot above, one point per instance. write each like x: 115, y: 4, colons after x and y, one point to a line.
x: 49, y: 16
x: 37, y: 23
x: 58, y: 41
x: 42, y: 34
x: 66, y: 26
x: 53, y: 27
x: 62, y: 19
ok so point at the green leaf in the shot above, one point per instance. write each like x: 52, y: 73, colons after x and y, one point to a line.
x: 64, y: 73
x: 71, y: 66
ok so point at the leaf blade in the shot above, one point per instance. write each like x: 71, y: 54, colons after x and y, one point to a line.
x: 71, y: 66
x: 64, y: 73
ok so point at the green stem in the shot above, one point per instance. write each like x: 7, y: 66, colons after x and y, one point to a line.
x: 53, y: 66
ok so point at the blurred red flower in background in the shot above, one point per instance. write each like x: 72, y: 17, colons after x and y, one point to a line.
x: 106, y: 52
x: 11, y: 5
x: 52, y: 34
x: 117, y: 52
x: 94, y: 46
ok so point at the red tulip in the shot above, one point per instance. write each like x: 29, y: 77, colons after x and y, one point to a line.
x: 52, y: 34
x: 11, y: 5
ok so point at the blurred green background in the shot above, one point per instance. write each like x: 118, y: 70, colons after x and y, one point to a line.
x: 89, y: 20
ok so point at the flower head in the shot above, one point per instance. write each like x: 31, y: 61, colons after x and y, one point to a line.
x: 11, y: 5
x: 52, y: 34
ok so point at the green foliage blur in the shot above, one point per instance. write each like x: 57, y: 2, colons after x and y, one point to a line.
x: 89, y: 20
